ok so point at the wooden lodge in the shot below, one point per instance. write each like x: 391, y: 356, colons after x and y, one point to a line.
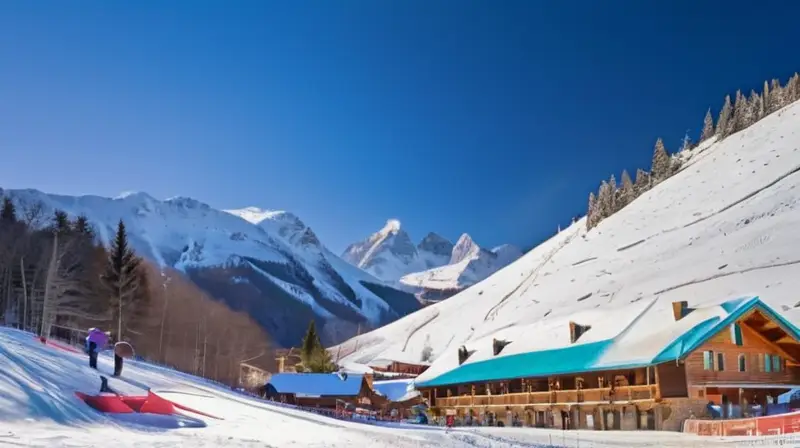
x: 665, y: 366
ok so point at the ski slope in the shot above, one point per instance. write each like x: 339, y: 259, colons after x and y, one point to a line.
x: 725, y: 226
x: 38, y: 408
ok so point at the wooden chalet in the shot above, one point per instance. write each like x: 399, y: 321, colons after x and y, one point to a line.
x: 322, y: 390
x: 399, y: 367
x: 641, y: 367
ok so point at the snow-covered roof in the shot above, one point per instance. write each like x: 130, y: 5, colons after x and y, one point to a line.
x: 645, y: 335
x: 393, y: 389
x: 317, y: 384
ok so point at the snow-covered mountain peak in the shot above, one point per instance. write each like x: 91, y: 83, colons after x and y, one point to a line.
x: 187, y: 203
x: 251, y: 214
x: 390, y: 255
x: 465, y: 248
x: 134, y: 195
x: 392, y: 226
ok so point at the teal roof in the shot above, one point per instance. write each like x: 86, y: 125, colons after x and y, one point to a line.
x: 585, y: 357
x: 573, y: 359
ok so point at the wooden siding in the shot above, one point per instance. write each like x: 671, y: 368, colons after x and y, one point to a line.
x: 753, y: 348
x: 672, y: 380
x: 606, y: 395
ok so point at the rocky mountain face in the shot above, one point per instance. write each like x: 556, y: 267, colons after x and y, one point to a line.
x: 267, y: 263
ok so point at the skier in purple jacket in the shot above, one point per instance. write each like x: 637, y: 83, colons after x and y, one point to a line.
x: 96, y: 341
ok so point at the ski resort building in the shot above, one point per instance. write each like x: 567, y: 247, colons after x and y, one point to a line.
x: 642, y: 366
x: 322, y: 389
x: 402, y: 367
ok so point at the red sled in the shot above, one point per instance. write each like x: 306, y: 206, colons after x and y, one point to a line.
x: 126, y: 404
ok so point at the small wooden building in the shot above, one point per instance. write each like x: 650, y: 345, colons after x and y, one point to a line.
x: 404, y: 367
x: 644, y: 366
x: 322, y: 390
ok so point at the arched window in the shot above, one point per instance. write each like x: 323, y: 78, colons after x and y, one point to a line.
x: 742, y: 363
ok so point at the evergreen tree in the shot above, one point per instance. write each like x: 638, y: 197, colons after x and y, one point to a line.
x: 591, y: 212
x: 8, y: 212
x: 627, y: 192
x: 790, y: 91
x: 686, y: 142
x: 723, y: 122
x: 751, y: 113
x: 61, y: 222
x: 708, y: 127
x: 660, y: 169
x: 81, y: 226
x: 614, y: 204
x: 642, y: 182
x: 604, y: 202
x: 776, y: 101
x: 739, y: 112
x: 122, y: 276
x: 312, y: 353
x: 766, y: 99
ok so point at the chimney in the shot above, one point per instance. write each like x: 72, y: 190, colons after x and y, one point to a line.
x: 576, y: 331
x: 680, y: 309
x: 498, y: 345
x: 463, y: 354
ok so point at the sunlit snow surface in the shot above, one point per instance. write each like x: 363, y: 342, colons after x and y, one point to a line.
x: 38, y: 409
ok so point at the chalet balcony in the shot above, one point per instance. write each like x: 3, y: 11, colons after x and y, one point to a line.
x: 604, y: 395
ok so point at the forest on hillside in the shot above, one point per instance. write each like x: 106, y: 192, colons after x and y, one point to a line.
x: 57, y: 280
x: 734, y: 116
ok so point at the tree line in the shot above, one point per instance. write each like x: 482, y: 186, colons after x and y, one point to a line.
x: 734, y: 116
x: 57, y: 279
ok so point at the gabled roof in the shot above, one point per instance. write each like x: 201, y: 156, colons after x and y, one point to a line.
x: 651, y: 337
x: 317, y: 384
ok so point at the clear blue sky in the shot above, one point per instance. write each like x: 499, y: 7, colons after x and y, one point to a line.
x: 492, y: 118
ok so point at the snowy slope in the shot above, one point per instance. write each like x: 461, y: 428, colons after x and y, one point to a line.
x: 38, y: 408
x: 281, y: 274
x: 723, y: 227
x: 434, y: 264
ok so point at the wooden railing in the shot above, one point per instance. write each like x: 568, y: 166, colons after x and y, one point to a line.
x: 621, y: 394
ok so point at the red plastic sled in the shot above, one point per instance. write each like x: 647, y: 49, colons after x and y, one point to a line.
x: 124, y: 404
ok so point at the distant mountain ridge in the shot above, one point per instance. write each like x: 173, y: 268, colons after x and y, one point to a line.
x: 433, y: 265
x: 266, y: 263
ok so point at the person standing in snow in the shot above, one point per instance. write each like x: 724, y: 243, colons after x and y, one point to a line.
x: 122, y: 350
x: 95, y: 341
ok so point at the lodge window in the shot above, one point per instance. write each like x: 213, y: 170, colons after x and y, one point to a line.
x: 776, y: 363
x: 720, y: 362
x: 708, y: 360
x: 767, y: 363
x: 742, y: 363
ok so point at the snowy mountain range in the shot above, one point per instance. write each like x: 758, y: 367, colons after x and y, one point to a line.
x: 267, y: 263
x: 434, y: 265
x: 723, y: 227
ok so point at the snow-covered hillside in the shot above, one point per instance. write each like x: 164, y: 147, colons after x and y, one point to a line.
x: 725, y: 226
x: 433, y: 264
x: 38, y: 408
x: 277, y: 271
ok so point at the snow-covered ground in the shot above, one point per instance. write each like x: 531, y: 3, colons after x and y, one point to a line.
x: 38, y: 408
x: 726, y: 226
